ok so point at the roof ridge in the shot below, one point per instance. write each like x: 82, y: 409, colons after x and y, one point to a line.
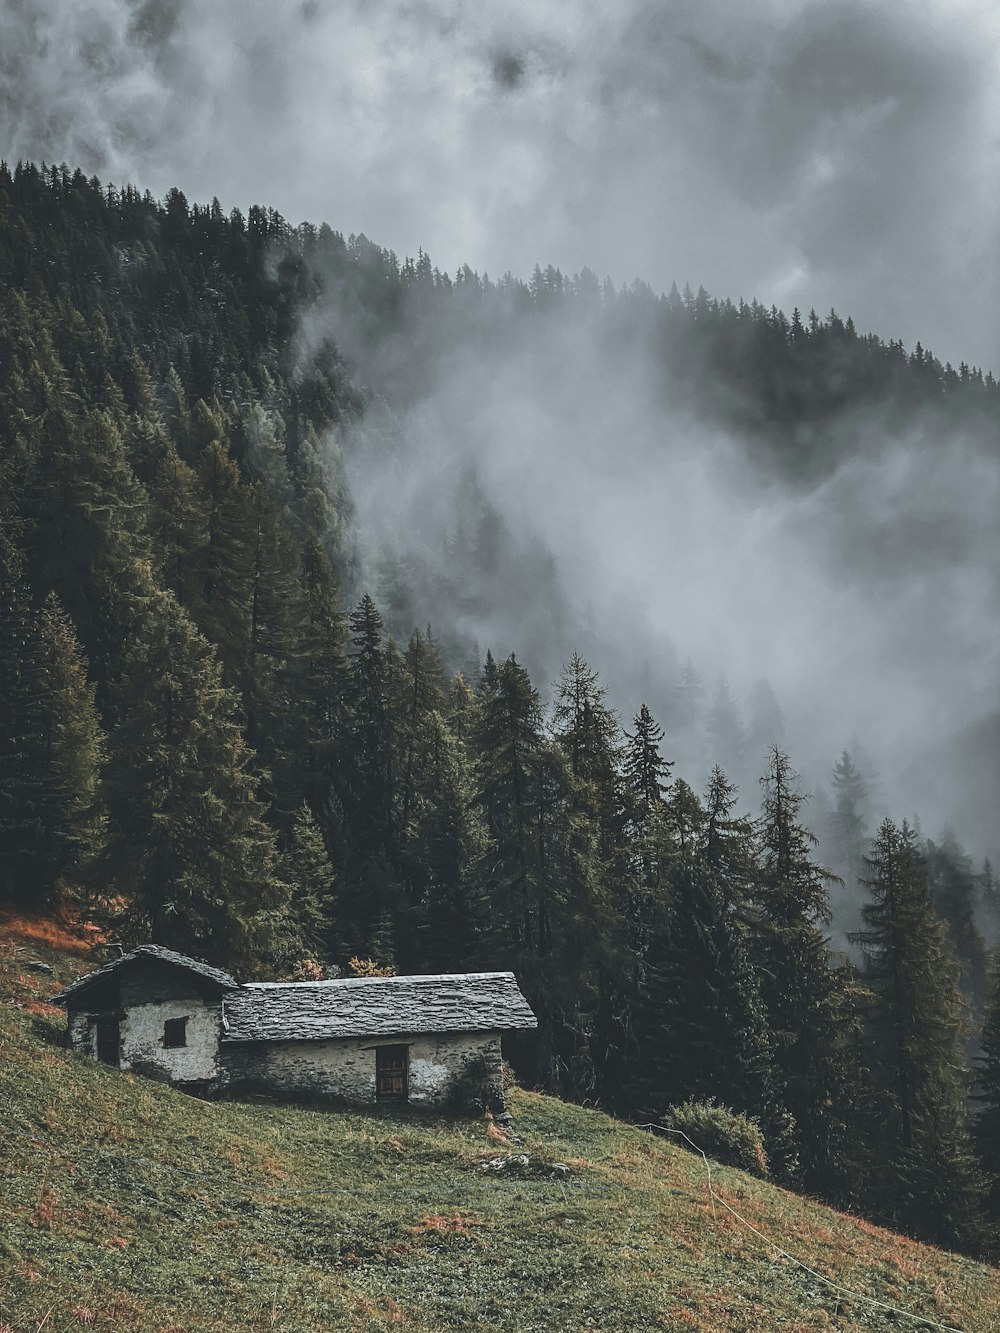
x: 159, y: 951
x: 408, y: 977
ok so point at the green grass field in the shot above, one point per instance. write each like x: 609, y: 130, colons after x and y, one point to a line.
x: 126, y: 1205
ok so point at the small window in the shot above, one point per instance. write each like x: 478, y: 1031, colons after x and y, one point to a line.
x: 391, y: 1068
x: 175, y: 1032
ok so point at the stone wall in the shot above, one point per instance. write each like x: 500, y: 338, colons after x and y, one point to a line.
x: 142, y: 1047
x: 82, y: 1033
x: 141, y: 1033
x: 346, y: 1068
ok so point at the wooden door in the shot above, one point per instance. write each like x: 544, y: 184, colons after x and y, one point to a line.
x: 390, y: 1073
x: 108, y: 1035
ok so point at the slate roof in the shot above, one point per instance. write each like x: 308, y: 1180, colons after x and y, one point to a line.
x: 375, y: 1007
x: 151, y: 951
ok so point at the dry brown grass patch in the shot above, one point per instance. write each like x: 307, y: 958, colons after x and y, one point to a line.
x: 63, y: 929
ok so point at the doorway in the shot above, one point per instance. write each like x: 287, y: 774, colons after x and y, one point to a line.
x: 108, y: 1036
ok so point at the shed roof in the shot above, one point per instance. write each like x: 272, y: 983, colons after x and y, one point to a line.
x: 152, y: 952
x: 376, y: 1007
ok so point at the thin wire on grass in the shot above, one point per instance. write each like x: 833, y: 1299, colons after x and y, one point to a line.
x: 926, y: 1320
x: 714, y: 1197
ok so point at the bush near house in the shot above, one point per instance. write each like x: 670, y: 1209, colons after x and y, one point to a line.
x: 722, y: 1134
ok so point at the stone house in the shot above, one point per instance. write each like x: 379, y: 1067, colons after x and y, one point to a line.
x: 362, y: 1039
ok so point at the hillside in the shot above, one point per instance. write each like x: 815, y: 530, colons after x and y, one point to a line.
x: 131, y: 1206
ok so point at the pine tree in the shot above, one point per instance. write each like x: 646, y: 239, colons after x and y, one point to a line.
x: 447, y: 857
x: 29, y: 798
x: 418, y: 705
x: 986, y: 1126
x: 370, y: 861
x: 845, y: 833
x: 224, y: 570
x: 305, y: 867
x: 646, y: 782
x: 929, y: 1183
x: 189, y: 852
x: 269, y: 670
x: 178, y: 518
x: 506, y: 743
x: 989, y: 903
x: 88, y: 530
x: 953, y: 892
x: 703, y: 1031
x: 809, y: 1003
x: 317, y: 728
x: 74, y: 747
x: 587, y: 815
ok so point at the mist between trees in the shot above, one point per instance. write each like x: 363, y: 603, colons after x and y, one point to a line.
x: 767, y: 534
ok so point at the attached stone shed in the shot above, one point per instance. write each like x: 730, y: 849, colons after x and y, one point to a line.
x: 363, y: 1039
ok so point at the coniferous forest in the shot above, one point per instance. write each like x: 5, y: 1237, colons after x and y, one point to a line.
x: 212, y: 738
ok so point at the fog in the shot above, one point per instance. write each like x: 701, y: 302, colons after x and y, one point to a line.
x: 639, y: 536
x: 811, y: 152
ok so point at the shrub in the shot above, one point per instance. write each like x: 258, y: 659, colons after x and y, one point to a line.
x: 369, y: 967
x: 478, y: 1088
x: 727, y: 1136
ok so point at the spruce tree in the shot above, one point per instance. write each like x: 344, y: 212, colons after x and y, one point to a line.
x: 369, y: 862
x: 89, y: 529
x: 223, y: 571
x: 952, y: 884
x: 646, y: 781
x: 29, y: 796
x: 929, y: 1185
x: 317, y: 728
x: 178, y: 517
x: 845, y: 833
x: 447, y: 856
x: 986, y: 1126
x: 189, y: 857
x: 701, y: 1024
x: 74, y: 748
x: 306, y: 869
x: 809, y: 1002
x: 506, y: 744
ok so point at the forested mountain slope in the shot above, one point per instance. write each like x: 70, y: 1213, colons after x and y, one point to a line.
x: 202, y: 745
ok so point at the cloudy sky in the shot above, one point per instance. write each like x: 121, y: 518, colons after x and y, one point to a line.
x: 815, y: 154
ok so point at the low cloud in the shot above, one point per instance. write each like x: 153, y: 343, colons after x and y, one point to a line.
x: 805, y: 153
x: 867, y: 599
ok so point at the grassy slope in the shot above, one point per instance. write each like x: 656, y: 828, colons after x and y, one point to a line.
x: 126, y: 1205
